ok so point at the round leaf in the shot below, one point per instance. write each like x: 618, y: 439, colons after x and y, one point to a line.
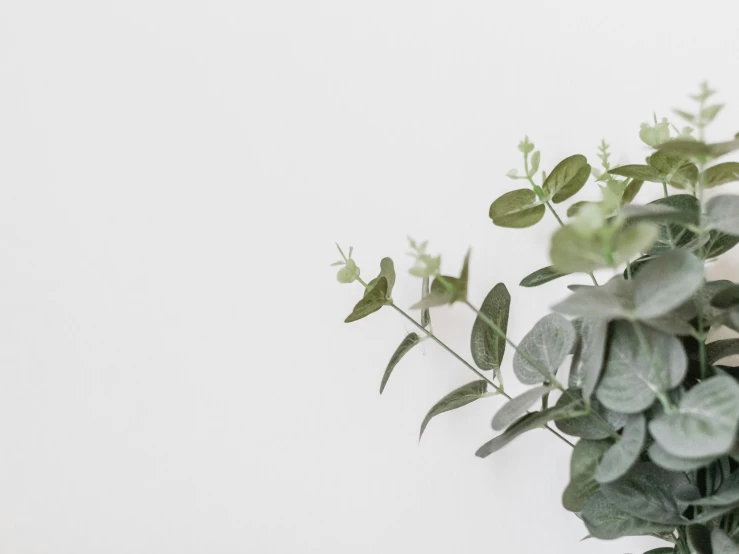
x: 543, y: 349
x: 567, y: 178
x: 665, y: 283
x: 623, y: 455
x: 517, y: 209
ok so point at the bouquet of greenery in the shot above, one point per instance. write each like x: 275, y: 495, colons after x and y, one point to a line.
x: 654, y: 412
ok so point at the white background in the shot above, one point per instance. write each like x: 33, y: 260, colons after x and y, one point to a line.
x: 175, y: 375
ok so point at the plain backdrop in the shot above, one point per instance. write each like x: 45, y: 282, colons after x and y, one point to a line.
x: 175, y: 376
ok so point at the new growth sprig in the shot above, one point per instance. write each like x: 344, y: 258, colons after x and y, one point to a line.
x: 649, y: 394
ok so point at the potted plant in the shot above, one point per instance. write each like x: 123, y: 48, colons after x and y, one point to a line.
x: 624, y: 371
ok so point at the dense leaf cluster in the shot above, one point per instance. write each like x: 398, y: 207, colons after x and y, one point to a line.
x: 644, y: 391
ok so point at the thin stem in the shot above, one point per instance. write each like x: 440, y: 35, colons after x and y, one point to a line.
x: 702, y: 348
x: 664, y: 189
x: 438, y: 341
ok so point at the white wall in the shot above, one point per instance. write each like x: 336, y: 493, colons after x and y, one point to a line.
x: 175, y: 375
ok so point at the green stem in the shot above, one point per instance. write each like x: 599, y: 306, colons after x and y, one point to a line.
x: 664, y: 189
x: 438, y: 341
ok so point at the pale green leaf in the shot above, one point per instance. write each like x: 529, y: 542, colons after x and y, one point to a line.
x: 598, y: 423
x: 488, y: 347
x: 543, y: 349
x: 517, y: 407
x: 674, y: 463
x: 648, y: 492
x: 706, y: 423
x: 575, y: 208
x: 633, y: 240
x: 721, y: 174
x: 518, y: 209
x: 456, y: 399
x: 387, y: 270
x: 635, y: 373
x: 689, y: 117
x: 665, y: 283
x: 535, y: 159
x: 654, y: 213
x: 408, y: 343
x: 631, y: 190
x: 709, y: 113
x: 572, y: 252
x: 567, y: 178
x: 722, y: 543
x: 589, y: 354
x: 425, y: 312
x: 605, y: 521
x: 541, y: 276
x: 610, y: 301
x: 640, y: 172
x: 723, y: 214
x: 621, y: 457
x: 373, y: 300
x: 582, y: 483
x: 349, y: 273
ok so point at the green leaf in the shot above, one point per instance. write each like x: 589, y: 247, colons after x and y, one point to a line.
x: 726, y: 297
x: 670, y: 235
x: 387, y: 270
x: 588, y: 357
x: 373, y: 300
x: 525, y: 424
x: 622, y: 456
x: 630, y: 192
x: 690, y: 118
x: 456, y: 399
x: 674, y: 463
x: 605, y: 521
x: 718, y: 244
x: 446, y: 289
x: 575, y: 208
x: 487, y: 347
x: 544, y: 348
x: 610, y: 301
x: 598, y: 423
x: 541, y: 276
x: 706, y: 423
x: 726, y: 495
x: 633, y: 240
x: 567, y: 178
x: 720, y: 349
x: 648, y: 492
x: 699, y: 539
x: 408, y: 343
x: 667, y: 550
x: 709, y: 113
x: 571, y: 252
x: 535, y: 159
x: 517, y: 407
x: 634, y: 373
x: 721, y: 174
x: 348, y: 273
x: 655, y: 213
x: 639, y: 172
x: 722, y: 543
x: 517, y: 209
x: 425, y: 313
x: 582, y: 483
x: 699, y: 149
x: 723, y: 213
x: 665, y: 283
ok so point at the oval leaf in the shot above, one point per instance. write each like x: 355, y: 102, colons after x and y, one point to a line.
x: 387, y: 270
x: 667, y: 461
x: 408, y: 343
x: 720, y: 174
x: 635, y: 373
x: 605, y: 521
x: 582, y: 485
x: 666, y: 282
x: 722, y: 543
x: 599, y: 423
x: 374, y: 299
x: 567, y: 178
x: 706, y: 423
x: 488, y: 347
x: 456, y: 399
x: 517, y: 209
x: 541, y: 276
x: 543, y: 349
x: 623, y: 455
x: 640, y: 172
x: 589, y: 355
x: 723, y: 214
x: 517, y: 407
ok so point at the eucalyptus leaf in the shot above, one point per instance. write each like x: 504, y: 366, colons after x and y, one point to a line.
x: 709, y: 113
x: 425, y: 313
x: 726, y: 297
x: 722, y: 543
x: 706, y: 422
x: 387, y: 270
x: 543, y: 349
x: 649, y: 493
x: 699, y: 539
x: 665, y: 283
x: 541, y: 276
x: 671, y: 235
x: 575, y: 208
x: 674, y: 463
x: 529, y: 422
x: 721, y: 174
x: 589, y: 355
x: 572, y: 252
x: 607, y: 522
x: 456, y: 399
x: 720, y: 349
x: 582, y: 485
x: 488, y: 347
x: 655, y: 213
x: 631, y: 190
x: 517, y: 407
x: 611, y: 301
x: 722, y: 213
x: 621, y: 457
x: 719, y: 243
x: 726, y: 495
x: 373, y: 300
x: 535, y: 159
x: 598, y: 423
x: 567, y: 178
x: 518, y: 209
x: 640, y: 172
x: 668, y: 550
x: 641, y: 364
x: 405, y: 346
